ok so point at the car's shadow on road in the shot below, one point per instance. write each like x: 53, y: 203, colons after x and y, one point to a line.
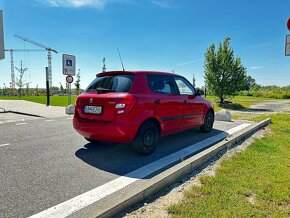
x: 119, y: 159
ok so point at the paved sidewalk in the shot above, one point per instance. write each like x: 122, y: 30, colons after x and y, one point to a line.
x: 31, y: 108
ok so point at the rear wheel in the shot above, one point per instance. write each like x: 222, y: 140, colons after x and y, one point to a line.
x: 92, y: 140
x: 146, y: 139
x: 208, y: 122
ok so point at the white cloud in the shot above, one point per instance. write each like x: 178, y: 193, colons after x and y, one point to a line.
x: 256, y: 67
x: 161, y: 3
x: 76, y: 3
x: 189, y: 62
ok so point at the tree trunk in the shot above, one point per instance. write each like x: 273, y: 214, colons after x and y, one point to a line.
x: 221, y: 100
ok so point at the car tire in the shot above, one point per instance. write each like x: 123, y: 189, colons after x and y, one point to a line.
x: 92, y: 140
x: 208, y: 122
x: 146, y: 139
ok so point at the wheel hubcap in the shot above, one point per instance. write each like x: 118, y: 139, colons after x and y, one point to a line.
x: 148, y: 138
x: 209, y: 122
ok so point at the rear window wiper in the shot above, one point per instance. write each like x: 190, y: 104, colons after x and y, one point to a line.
x: 101, y: 90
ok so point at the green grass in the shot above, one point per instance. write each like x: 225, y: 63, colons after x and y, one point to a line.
x: 54, y: 100
x: 238, y: 102
x: 261, y: 172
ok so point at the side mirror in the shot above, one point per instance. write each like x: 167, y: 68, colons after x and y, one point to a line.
x: 199, y: 92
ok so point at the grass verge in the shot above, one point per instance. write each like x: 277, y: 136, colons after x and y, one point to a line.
x: 238, y: 102
x: 254, y: 183
x: 54, y: 100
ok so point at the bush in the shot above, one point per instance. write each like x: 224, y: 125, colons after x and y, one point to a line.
x: 275, y: 92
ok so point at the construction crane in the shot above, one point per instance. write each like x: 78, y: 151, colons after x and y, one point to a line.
x: 48, y: 49
x: 12, y: 61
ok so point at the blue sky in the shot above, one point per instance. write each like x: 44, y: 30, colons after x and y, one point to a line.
x: 161, y: 35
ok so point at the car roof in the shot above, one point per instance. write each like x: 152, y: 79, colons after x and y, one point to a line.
x: 136, y: 72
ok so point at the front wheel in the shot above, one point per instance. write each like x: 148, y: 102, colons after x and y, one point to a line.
x: 208, y: 122
x: 146, y: 139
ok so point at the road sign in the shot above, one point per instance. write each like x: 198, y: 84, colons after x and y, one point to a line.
x: 288, y: 24
x: 287, y: 46
x: 69, y: 64
x: 2, y: 53
x: 69, y: 79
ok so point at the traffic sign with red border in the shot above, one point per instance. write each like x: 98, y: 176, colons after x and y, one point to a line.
x: 69, y: 79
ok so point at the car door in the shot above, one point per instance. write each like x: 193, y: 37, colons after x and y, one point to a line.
x: 193, y: 106
x: 167, y: 102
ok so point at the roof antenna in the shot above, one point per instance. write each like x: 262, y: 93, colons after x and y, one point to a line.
x: 121, y: 59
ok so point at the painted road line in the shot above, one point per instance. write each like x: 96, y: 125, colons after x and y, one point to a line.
x: 4, y: 145
x: 81, y: 201
x: 18, y: 124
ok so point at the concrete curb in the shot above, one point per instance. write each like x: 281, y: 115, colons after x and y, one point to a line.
x: 27, y: 114
x: 169, y: 176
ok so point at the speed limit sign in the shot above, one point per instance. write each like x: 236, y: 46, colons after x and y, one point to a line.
x: 69, y: 79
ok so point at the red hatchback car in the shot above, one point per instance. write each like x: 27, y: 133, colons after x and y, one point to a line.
x: 140, y: 107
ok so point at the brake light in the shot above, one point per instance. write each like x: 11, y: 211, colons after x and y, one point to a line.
x: 125, y: 105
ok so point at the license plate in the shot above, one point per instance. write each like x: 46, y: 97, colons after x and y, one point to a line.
x: 93, y: 109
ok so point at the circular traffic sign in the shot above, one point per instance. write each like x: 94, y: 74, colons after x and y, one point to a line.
x: 288, y: 24
x: 69, y: 79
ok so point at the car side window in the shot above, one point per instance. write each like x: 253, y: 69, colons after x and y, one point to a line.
x: 184, y: 87
x: 161, y: 84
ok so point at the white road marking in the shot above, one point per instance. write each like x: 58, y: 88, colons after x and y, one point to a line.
x: 18, y: 124
x: 81, y: 201
x: 4, y: 145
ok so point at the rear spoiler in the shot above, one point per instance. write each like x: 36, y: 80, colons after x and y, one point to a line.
x: 109, y: 73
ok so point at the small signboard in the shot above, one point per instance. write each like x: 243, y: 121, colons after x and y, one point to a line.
x: 69, y: 64
x: 2, y: 52
x: 287, y: 46
x: 69, y: 79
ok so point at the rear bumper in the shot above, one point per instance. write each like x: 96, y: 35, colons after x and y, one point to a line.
x: 115, y: 131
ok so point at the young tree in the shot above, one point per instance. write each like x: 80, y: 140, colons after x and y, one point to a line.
x: 61, y: 88
x: 249, y: 83
x: 77, y: 83
x: 27, y: 90
x: 193, y: 80
x: 36, y: 91
x: 225, y: 75
x: 19, y: 81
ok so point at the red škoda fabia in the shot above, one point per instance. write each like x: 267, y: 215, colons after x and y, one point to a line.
x: 140, y: 107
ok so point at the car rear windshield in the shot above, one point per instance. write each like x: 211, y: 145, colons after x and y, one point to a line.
x: 111, y: 83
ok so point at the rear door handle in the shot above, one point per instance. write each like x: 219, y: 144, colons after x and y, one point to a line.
x: 157, y: 101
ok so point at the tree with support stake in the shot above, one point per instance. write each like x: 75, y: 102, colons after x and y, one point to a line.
x: 19, y: 82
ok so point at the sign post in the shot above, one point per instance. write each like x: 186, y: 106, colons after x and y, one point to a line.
x: 47, y: 87
x: 69, y: 80
x: 2, y: 52
x: 287, y: 42
x: 69, y: 69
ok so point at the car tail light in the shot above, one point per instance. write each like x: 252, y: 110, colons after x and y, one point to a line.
x: 125, y: 105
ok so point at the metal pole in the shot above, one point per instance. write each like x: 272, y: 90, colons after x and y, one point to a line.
x: 47, y: 87
x: 69, y: 93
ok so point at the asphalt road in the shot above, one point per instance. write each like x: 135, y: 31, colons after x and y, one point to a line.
x: 45, y: 162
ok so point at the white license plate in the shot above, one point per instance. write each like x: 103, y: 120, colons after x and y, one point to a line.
x: 92, y: 109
